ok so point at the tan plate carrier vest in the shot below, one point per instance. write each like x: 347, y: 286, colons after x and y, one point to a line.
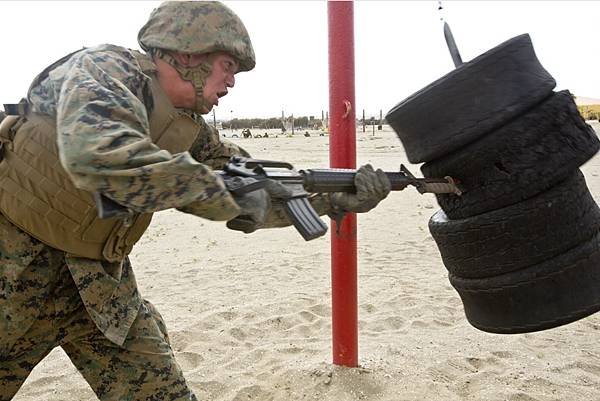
x: 37, y: 195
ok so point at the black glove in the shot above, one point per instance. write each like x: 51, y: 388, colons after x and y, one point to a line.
x: 371, y: 188
x: 255, y: 204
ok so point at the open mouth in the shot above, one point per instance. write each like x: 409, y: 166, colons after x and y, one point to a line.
x: 221, y: 94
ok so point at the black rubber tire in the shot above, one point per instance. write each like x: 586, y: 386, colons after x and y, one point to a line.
x: 520, y: 235
x: 470, y: 101
x: 519, y: 160
x: 555, y: 292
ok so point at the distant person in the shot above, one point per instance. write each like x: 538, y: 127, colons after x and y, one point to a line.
x: 126, y: 125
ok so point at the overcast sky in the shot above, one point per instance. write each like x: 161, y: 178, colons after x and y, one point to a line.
x: 399, y: 46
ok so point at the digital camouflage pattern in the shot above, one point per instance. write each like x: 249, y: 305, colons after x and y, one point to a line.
x: 196, y: 28
x: 38, y: 290
x: 22, y: 289
x: 212, y: 150
x: 101, y: 100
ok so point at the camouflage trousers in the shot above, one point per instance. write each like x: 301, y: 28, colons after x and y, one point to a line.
x: 143, y: 368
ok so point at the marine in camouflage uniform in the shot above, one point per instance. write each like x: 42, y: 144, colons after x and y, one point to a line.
x: 78, y: 291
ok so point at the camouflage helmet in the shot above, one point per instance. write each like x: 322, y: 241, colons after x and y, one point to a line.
x: 197, y: 27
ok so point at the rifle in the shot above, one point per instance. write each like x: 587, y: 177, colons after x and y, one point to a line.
x: 301, y: 183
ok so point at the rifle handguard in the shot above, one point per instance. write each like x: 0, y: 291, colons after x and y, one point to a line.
x: 342, y: 180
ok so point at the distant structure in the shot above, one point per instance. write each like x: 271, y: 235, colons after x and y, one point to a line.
x: 588, y: 107
x: 287, y: 123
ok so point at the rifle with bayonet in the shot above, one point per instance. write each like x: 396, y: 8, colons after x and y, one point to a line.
x: 301, y: 184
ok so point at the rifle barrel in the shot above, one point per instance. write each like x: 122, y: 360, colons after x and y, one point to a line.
x: 342, y: 180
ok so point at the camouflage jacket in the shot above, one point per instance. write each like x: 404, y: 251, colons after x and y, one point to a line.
x: 101, y: 101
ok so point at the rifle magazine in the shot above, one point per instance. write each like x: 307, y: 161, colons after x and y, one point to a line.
x: 305, y: 218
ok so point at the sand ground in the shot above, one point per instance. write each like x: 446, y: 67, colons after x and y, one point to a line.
x: 250, y: 315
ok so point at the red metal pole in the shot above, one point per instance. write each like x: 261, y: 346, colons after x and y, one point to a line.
x: 342, y: 154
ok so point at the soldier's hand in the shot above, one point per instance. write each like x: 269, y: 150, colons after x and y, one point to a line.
x: 255, y: 205
x: 371, y: 188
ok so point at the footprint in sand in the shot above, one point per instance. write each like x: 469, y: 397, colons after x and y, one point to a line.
x: 253, y: 393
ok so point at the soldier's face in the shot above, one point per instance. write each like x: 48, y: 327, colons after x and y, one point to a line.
x: 221, y: 77
x: 182, y: 93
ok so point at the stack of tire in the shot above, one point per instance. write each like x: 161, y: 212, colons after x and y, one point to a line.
x: 522, y: 242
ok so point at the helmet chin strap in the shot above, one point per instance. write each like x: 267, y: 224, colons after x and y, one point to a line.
x: 196, y: 75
